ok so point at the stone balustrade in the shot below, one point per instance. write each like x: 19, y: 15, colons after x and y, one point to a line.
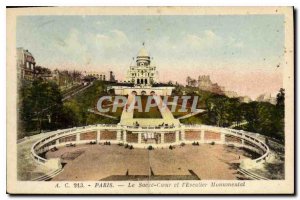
x: 174, y: 135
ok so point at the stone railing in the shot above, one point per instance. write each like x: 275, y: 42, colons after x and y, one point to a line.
x: 247, y: 136
x: 46, y: 143
x: 52, y: 140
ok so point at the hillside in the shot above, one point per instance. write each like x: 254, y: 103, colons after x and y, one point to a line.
x: 80, y: 104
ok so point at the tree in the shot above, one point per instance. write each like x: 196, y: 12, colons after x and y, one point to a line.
x: 218, y: 108
x: 264, y: 118
x: 178, y: 90
x: 188, y: 80
x: 170, y: 82
x: 280, y: 103
x: 280, y: 107
x: 235, y: 112
x: 250, y: 114
x: 280, y: 98
x: 41, y: 103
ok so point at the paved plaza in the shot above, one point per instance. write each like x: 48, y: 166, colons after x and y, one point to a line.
x: 96, y: 162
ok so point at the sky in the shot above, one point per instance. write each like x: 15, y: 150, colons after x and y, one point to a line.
x: 240, y: 52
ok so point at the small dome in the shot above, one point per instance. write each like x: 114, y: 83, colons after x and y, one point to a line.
x: 143, y: 53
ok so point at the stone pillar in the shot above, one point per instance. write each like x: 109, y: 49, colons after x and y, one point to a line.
x: 124, y: 136
x: 118, y: 135
x: 222, y: 137
x: 119, y: 132
x: 176, y: 136
x: 202, y: 136
x: 98, y: 136
x: 139, y: 138
x: 182, y: 132
x: 77, y: 137
x: 162, y: 138
x: 243, y: 141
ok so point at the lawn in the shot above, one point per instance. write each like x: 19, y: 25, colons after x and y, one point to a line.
x: 154, y: 112
x: 178, y: 113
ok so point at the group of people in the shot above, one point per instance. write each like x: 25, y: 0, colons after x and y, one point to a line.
x: 136, y: 124
x: 166, y: 125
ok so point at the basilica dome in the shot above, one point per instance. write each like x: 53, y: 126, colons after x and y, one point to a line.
x: 143, y: 57
x: 143, y: 53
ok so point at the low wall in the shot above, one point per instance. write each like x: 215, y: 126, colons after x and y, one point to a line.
x: 125, y: 90
x: 172, y: 136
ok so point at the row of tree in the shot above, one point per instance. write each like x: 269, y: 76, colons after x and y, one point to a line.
x: 41, y: 107
x: 260, y: 117
x: 40, y: 103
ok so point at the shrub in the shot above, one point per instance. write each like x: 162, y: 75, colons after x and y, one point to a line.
x: 212, y: 143
x: 150, y: 147
x: 182, y: 144
x: 130, y: 147
x: 126, y: 146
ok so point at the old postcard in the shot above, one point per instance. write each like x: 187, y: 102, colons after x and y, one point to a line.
x: 150, y: 100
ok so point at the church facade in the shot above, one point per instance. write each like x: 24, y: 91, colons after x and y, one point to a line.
x: 142, y: 73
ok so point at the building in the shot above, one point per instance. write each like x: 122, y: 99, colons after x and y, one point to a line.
x: 215, y: 88
x: 112, y: 77
x: 43, y: 73
x: 25, y: 64
x: 204, y: 83
x: 191, y: 82
x: 143, y: 77
x: 231, y: 94
x: 98, y: 75
x: 142, y: 73
x: 66, y: 79
x: 266, y: 98
x: 245, y: 99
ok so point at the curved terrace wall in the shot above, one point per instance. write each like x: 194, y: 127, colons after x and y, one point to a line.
x: 134, y: 135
